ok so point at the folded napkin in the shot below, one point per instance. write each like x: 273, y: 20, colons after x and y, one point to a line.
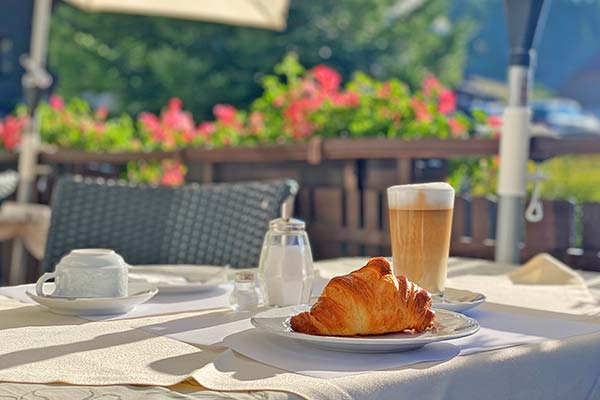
x: 543, y: 283
x: 29, y: 221
x: 544, y: 269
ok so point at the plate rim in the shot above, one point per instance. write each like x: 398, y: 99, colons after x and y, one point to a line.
x: 366, y: 340
x: 148, y: 293
x: 462, y: 306
x: 183, y: 288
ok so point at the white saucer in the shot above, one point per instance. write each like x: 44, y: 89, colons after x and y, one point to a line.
x: 448, y: 325
x: 179, y: 279
x: 459, y: 300
x: 138, y: 294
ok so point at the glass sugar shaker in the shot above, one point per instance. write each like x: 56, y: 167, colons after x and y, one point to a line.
x: 245, y: 295
x: 286, y: 271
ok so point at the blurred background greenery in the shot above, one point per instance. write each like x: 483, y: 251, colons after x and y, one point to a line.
x: 142, y: 61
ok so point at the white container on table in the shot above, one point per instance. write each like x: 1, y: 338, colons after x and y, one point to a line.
x: 286, y: 271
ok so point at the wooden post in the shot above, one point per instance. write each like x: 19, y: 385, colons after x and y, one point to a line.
x: 404, y: 170
x: 350, y: 176
x: 208, y: 171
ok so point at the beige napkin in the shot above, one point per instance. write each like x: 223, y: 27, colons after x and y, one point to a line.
x: 543, y: 283
x: 544, y: 269
x: 29, y: 221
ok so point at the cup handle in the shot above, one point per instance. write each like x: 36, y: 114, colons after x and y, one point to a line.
x: 39, y: 285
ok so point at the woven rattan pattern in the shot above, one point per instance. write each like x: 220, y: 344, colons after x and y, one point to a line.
x: 217, y: 224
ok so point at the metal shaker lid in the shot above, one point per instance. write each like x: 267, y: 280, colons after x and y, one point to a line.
x: 287, y: 224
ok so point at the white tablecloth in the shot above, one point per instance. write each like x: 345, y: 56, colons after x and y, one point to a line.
x: 556, y: 369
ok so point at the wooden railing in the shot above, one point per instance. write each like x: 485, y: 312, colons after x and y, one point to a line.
x: 343, y: 182
x: 355, y: 223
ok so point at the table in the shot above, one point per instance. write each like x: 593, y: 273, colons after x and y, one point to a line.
x: 449, y: 377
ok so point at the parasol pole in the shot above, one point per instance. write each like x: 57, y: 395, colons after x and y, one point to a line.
x: 522, y: 17
x: 35, y: 81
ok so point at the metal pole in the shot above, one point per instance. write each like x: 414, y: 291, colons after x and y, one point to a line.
x: 522, y: 17
x: 514, y: 153
x: 28, y: 152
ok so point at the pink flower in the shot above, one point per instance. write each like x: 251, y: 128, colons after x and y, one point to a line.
x: 309, y: 88
x: 225, y: 114
x: 431, y: 85
x: 158, y: 133
x: 11, y: 130
x: 178, y: 120
x: 345, y: 99
x: 494, y: 121
x: 300, y: 109
x: 173, y: 173
x: 206, y: 129
x: 102, y: 112
x: 56, y: 102
x: 421, y: 111
x: 188, y: 136
x: 175, y: 104
x: 447, y: 102
x: 457, y: 128
x: 257, y: 122
x: 174, y: 118
x: 328, y: 78
x: 99, y: 126
x: 149, y: 120
x: 302, y: 130
x: 385, y: 90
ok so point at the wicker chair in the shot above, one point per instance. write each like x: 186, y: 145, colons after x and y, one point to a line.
x: 216, y: 224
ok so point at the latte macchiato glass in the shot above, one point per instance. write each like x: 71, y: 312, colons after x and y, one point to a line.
x: 420, y: 224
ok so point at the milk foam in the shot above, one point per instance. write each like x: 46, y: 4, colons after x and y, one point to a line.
x: 435, y: 195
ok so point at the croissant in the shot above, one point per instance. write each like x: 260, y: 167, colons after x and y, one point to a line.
x: 368, y: 301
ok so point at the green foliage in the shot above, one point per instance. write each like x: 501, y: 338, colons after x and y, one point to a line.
x: 143, y: 61
x: 572, y: 177
x: 76, y: 125
x: 568, y: 177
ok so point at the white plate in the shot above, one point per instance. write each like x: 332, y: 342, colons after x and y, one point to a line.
x: 458, y: 300
x: 138, y: 294
x: 449, y: 325
x: 179, y: 279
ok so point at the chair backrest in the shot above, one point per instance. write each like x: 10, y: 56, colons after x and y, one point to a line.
x: 217, y: 224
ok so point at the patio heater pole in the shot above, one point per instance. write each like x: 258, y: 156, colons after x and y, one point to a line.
x: 522, y: 18
x: 35, y: 81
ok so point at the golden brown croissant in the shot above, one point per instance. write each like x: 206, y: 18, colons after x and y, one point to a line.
x: 368, y: 301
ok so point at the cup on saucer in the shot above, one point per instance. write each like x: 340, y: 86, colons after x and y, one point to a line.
x: 87, y: 273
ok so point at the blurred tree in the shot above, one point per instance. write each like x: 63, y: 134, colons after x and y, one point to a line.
x: 142, y: 61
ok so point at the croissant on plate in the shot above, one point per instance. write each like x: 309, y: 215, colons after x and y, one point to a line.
x: 368, y: 301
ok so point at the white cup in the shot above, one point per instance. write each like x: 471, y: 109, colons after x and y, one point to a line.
x: 87, y: 273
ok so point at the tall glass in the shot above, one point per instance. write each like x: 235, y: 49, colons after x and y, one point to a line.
x: 420, y: 225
